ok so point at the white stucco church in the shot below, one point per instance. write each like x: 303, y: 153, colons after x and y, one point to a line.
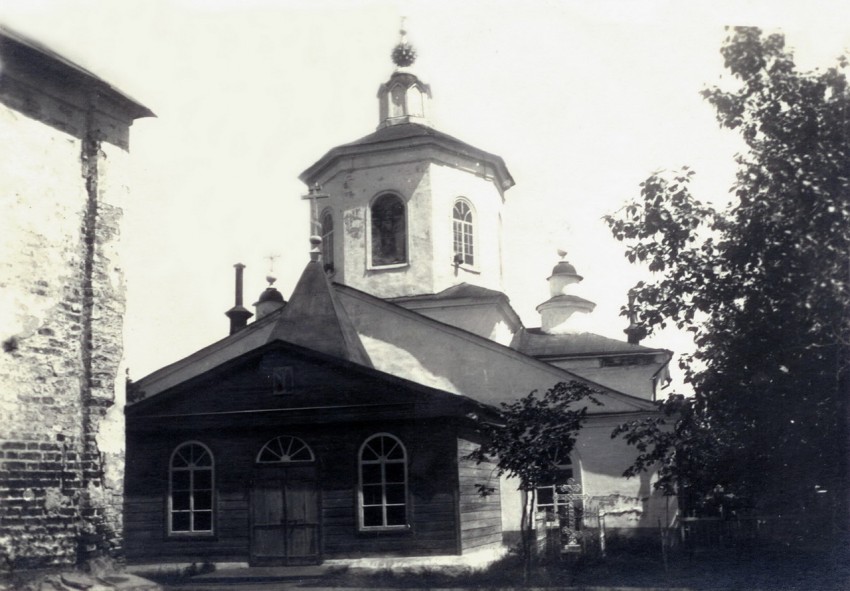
x: 336, y: 425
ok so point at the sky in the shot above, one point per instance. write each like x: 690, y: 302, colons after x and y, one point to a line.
x: 583, y: 100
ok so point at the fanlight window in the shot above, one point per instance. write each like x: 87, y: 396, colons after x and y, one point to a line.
x: 389, y: 231
x: 191, y: 490
x: 285, y: 450
x: 383, y: 482
x: 463, y: 234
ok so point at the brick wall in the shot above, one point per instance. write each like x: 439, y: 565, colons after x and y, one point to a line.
x: 61, y: 310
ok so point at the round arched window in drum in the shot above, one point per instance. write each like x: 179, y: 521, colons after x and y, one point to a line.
x: 285, y: 450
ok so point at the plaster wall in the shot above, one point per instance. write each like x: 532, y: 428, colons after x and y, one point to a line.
x: 428, y: 188
x: 447, y: 185
x: 486, y: 320
x: 626, y: 504
x: 351, y: 193
x: 637, y: 380
x: 61, y: 315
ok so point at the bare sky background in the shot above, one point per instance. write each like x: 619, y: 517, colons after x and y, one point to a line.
x: 582, y: 99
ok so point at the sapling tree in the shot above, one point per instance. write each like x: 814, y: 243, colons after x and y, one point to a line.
x: 533, y: 433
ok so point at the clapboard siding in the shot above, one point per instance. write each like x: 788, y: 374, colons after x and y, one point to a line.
x: 433, y: 526
x: 480, y: 516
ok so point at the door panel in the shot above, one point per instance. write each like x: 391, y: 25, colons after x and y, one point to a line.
x: 285, y: 516
x: 302, y: 518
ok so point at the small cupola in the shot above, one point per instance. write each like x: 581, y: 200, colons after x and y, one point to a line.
x: 565, y: 311
x: 404, y: 98
x: 270, y: 300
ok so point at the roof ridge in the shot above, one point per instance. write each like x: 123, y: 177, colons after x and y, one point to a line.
x: 313, y: 318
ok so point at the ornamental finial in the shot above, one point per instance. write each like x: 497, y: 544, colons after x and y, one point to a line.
x: 404, y: 53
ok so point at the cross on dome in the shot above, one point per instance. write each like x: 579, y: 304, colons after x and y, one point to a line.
x: 404, y: 54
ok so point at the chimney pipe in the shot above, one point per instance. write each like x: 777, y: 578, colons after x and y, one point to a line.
x: 238, y: 314
x: 635, y: 333
x: 240, y: 269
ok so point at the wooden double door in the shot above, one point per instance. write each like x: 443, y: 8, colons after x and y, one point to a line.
x: 285, y: 516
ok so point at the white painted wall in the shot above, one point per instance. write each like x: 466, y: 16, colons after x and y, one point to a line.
x: 447, y: 185
x: 429, y: 187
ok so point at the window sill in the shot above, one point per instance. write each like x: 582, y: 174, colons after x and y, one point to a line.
x: 383, y: 531
x: 387, y: 267
x: 468, y: 268
x: 191, y: 535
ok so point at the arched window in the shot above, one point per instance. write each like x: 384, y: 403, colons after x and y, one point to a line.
x: 389, y: 232
x: 383, y: 482
x: 397, y: 101
x: 327, y: 222
x: 415, y: 102
x: 190, y: 482
x: 285, y: 450
x: 463, y: 237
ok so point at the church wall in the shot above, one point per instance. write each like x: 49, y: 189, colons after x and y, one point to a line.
x: 630, y: 505
x: 447, y: 185
x: 432, y: 477
x: 62, y: 182
x: 351, y: 193
x: 485, y: 320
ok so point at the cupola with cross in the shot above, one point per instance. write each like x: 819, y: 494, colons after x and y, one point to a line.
x: 409, y: 210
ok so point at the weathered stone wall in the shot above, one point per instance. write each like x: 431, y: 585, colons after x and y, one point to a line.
x: 61, y: 310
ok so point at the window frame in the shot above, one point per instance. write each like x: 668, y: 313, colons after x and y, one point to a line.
x: 328, y: 259
x: 283, y: 380
x: 361, y: 525
x: 473, y: 235
x: 289, y: 462
x: 370, y: 264
x: 192, y: 490
x: 552, y: 509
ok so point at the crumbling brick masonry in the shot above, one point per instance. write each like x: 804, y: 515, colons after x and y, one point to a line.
x: 62, y: 181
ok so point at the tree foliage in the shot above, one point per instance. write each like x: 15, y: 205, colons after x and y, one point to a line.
x: 762, y: 284
x: 534, y: 434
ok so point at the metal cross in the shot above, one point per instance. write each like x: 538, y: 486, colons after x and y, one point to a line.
x: 314, y: 194
x: 270, y: 277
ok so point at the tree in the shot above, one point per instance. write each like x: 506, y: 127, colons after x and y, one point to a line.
x: 533, y: 434
x: 762, y: 284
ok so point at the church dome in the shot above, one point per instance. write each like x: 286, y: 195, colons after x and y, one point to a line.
x: 270, y: 300
x: 270, y: 294
x: 563, y: 268
x: 563, y: 273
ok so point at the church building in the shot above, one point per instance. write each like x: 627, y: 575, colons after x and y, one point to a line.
x: 337, y: 424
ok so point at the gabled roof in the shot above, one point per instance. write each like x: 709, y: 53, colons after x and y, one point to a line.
x: 337, y: 396
x: 315, y: 320
x: 536, y: 343
x: 406, y: 136
x: 419, y: 348
x: 355, y: 327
